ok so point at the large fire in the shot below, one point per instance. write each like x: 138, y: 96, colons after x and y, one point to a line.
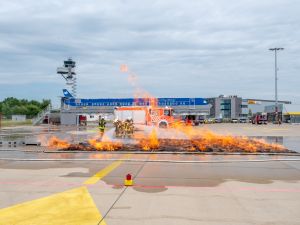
x: 210, y: 142
x: 195, y: 140
x: 206, y: 140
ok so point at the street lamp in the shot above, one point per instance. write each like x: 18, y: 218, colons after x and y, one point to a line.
x: 276, y: 95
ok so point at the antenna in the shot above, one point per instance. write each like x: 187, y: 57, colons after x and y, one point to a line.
x: 67, y: 71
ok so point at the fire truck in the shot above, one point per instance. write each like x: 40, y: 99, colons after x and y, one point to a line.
x: 148, y: 115
x: 259, y: 118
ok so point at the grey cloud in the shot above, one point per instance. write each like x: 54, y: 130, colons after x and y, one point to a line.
x: 177, y: 48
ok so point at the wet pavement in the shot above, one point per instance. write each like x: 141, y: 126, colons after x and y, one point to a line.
x: 163, y: 192
x: 88, y: 187
x: 287, y: 135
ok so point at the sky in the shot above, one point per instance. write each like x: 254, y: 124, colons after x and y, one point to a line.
x: 191, y: 48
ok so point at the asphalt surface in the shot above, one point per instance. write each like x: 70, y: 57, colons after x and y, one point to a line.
x: 163, y: 192
x: 39, y: 188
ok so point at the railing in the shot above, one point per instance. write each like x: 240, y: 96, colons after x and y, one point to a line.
x: 41, y: 115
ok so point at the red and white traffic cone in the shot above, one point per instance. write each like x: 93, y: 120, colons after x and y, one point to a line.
x: 128, y: 180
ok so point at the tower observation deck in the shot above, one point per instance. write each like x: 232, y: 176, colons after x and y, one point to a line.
x: 67, y: 71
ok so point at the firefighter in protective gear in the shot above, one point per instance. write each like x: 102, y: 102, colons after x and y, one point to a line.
x: 102, y: 124
x: 124, y: 128
x: 128, y: 127
x: 131, y: 126
x: 118, y: 127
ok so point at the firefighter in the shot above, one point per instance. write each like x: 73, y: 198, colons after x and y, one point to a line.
x: 122, y: 129
x: 131, y: 126
x: 102, y: 124
x: 126, y: 127
x: 117, y: 127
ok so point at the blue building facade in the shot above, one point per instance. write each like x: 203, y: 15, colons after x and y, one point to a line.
x: 108, y: 102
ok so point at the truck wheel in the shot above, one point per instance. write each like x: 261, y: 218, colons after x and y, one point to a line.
x: 163, y: 124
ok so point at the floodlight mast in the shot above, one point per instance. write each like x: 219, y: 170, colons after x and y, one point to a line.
x: 67, y: 71
x: 276, y: 79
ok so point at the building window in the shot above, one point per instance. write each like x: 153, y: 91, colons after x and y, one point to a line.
x: 226, y: 108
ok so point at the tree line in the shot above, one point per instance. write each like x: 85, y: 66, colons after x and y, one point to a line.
x: 30, y: 108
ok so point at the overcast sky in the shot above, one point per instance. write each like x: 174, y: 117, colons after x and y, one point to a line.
x: 191, y: 48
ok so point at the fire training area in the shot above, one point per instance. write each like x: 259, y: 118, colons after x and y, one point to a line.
x: 188, y: 188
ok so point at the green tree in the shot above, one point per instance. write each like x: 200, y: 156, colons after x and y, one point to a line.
x: 32, y: 110
x: 11, y: 105
x: 45, y: 103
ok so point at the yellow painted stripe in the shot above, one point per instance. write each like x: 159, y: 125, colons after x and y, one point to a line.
x: 102, y: 173
x: 72, y: 207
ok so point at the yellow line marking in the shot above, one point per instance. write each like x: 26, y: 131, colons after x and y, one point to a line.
x: 102, y: 173
x: 73, y: 207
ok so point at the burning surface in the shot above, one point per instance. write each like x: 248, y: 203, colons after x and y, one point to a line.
x: 104, y: 145
x: 195, y: 140
x: 56, y: 143
x: 151, y: 142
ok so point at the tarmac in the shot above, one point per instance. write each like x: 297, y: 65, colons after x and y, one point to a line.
x: 38, y: 188
x: 92, y: 192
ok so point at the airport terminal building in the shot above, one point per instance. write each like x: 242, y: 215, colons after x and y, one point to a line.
x: 223, y: 107
x: 73, y: 108
x: 235, y: 107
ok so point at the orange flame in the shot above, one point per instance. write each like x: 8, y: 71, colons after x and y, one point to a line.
x: 206, y: 140
x: 150, y: 142
x: 124, y: 68
x: 55, y: 142
x: 104, y: 146
x: 139, y: 93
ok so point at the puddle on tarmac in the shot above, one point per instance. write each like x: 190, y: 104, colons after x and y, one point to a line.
x: 290, y: 142
x: 149, y: 189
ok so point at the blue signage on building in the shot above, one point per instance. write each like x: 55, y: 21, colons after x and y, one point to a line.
x: 75, y: 102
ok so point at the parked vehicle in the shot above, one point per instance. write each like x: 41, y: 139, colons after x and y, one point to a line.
x: 201, y: 120
x: 243, y: 120
x: 259, y: 118
x: 210, y: 120
x: 234, y: 120
x: 194, y: 120
x: 218, y: 120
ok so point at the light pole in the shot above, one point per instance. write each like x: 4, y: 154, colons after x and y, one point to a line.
x: 276, y: 94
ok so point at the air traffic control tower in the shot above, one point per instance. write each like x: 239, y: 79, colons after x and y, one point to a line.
x: 67, y: 71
